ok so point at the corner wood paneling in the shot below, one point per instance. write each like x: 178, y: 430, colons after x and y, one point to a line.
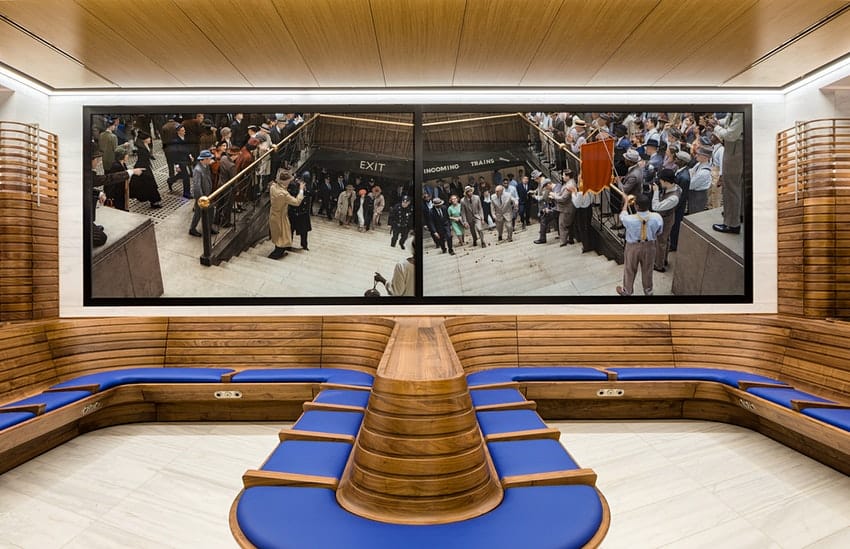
x: 26, y: 363
x: 244, y: 342
x: 813, y: 178
x: 355, y: 342
x: 483, y: 342
x: 817, y: 358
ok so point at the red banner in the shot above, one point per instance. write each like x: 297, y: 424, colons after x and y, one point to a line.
x: 597, y: 165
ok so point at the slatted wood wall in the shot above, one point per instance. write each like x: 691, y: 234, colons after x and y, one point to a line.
x: 813, y: 178
x: 29, y: 223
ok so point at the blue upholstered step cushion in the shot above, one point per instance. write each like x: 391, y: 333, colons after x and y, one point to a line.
x: 729, y: 377
x: 307, y: 457
x: 339, y: 423
x: 524, y: 457
x: 9, y: 419
x: 783, y: 396
x: 507, y: 421
x: 486, y: 397
x: 51, y: 401
x: 535, y: 373
x: 128, y: 376
x: 837, y: 417
x: 343, y: 397
x: 542, y: 517
x: 304, y: 375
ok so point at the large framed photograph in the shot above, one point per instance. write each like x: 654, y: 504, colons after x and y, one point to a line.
x: 413, y: 204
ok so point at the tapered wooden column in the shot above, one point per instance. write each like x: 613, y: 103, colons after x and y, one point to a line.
x: 420, y: 457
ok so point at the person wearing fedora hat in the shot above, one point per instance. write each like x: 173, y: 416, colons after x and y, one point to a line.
x: 201, y: 186
x: 665, y: 200
x: 439, y: 225
x: 524, y: 191
x: 401, y: 221
x: 473, y: 214
x: 107, y: 142
x: 345, y: 205
x: 281, y: 199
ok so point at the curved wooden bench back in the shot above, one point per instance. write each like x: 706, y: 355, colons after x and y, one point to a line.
x: 26, y: 363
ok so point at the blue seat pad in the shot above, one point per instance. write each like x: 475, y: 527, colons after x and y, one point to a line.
x: 51, y: 400
x: 112, y: 378
x: 9, y: 419
x: 524, y: 457
x: 307, y: 457
x: 542, y: 517
x: 340, y: 423
x: 485, y: 397
x: 507, y: 421
x: 836, y: 417
x: 535, y: 373
x: 341, y: 396
x: 783, y: 396
x: 728, y: 377
x: 304, y: 375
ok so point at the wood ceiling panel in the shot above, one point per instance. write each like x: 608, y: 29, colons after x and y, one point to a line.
x: 673, y: 30
x: 499, y: 38
x: 72, y: 29
x: 734, y: 47
x: 31, y: 57
x: 336, y: 39
x: 252, y: 36
x: 418, y: 40
x: 167, y: 35
x: 582, y: 38
x: 803, y: 56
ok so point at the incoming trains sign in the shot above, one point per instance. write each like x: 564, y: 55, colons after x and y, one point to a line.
x: 459, y: 163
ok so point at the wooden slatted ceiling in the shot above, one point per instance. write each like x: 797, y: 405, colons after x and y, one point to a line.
x: 337, y: 40
x: 744, y: 39
x: 418, y: 39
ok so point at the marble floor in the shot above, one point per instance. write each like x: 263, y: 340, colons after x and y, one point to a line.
x: 681, y: 484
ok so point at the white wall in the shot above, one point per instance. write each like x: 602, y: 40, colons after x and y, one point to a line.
x: 21, y: 102
x: 768, y: 116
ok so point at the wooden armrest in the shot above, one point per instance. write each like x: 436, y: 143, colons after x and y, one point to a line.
x: 552, y: 478
x: 612, y: 376
x: 800, y: 405
x: 297, y: 434
x: 91, y: 388
x: 500, y: 385
x: 254, y: 477
x: 36, y: 409
x: 744, y: 385
x: 228, y: 377
x: 531, y: 434
x: 344, y: 387
x: 524, y: 405
x: 331, y: 407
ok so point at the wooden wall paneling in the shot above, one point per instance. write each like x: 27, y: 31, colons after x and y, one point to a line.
x: 253, y: 37
x: 27, y: 363
x: 91, y: 37
x: 337, y: 40
x: 499, y: 38
x: 594, y: 340
x: 418, y: 41
x: 750, y: 343
x: 583, y: 35
x: 357, y: 343
x: 818, y: 357
x: 15, y: 256
x: 790, y: 220
x: 807, y: 54
x: 45, y: 258
x: 735, y: 45
x: 483, y: 342
x: 244, y: 342
x: 84, y: 346
x: 168, y: 35
x: 666, y: 36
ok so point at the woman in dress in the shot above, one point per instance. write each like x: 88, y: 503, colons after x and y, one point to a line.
x: 456, y: 218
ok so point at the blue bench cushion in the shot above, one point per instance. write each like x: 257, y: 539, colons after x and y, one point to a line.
x: 304, y: 375
x: 728, y: 377
x: 542, y: 517
x: 783, y: 396
x: 837, y: 417
x: 9, y: 419
x: 535, y: 373
x: 341, y: 396
x: 340, y: 423
x: 307, y: 457
x: 508, y: 421
x: 485, y: 397
x: 112, y: 378
x: 523, y: 457
x: 52, y: 401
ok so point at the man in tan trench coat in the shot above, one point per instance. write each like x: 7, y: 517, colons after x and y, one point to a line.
x: 281, y: 200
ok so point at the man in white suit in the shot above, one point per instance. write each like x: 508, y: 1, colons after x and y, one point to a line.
x: 502, y: 206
